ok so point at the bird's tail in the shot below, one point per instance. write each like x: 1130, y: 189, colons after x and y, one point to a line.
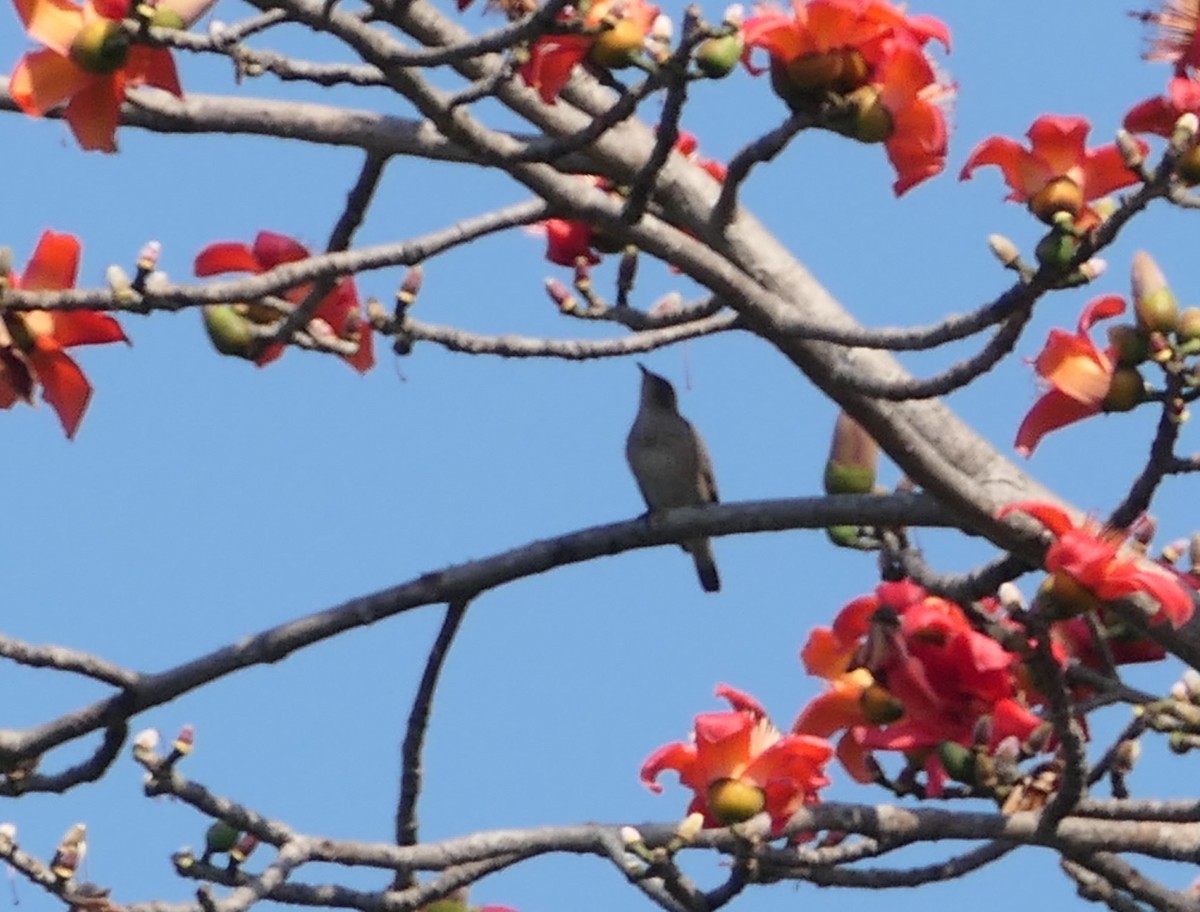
x: 706, y: 565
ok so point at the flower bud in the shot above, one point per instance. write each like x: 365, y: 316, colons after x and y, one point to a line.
x: 1153, y: 300
x: 8, y: 837
x: 734, y: 801
x: 871, y: 121
x: 220, y: 838
x: 1056, y: 249
x: 230, y: 332
x: 186, y: 12
x: 958, y: 761
x: 1130, y: 344
x: 562, y: 298
x: 1003, y: 249
x: 716, y: 57
x: 853, y: 458
x: 1187, y: 327
x: 100, y: 47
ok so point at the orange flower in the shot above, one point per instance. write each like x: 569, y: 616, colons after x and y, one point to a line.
x: 1079, y: 374
x: 1089, y: 556
x: 739, y: 764
x: 1057, y: 173
x: 615, y: 33
x: 32, y: 342
x: 88, y: 62
x: 338, y: 312
x: 871, y: 54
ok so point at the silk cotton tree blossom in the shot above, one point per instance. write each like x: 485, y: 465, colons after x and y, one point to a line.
x: 1082, y: 379
x: 611, y: 36
x: 1090, y: 557
x: 33, y: 342
x: 88, y: 62
x: 338, y: 312
x: 860, y: 69
x: 738, y: 764
x: 1057, y: 173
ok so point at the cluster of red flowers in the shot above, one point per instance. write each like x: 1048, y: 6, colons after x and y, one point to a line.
x: 916, y: 674
x: 870, y: 55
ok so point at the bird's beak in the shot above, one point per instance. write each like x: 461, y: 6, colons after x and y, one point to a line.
x: 643, y: 368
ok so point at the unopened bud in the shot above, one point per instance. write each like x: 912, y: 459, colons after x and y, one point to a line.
x: 220, y: 837
x: 1191, y: 682
x: 690, y: 828
x: 1011, y: 598
x: 242, y: 850
x: 184, y: 741
x: 562, y: 298
x: 1130, y: 344
x: 230, y: 332
x: 410, y: 288
x: 717, y: 57
x: 1057, y: 248
x: 1142, y: 529
x: 1153, y: 300
x: 1004, y: 250
x: 119, y: 284
x: 630, y: 836
x: 853, y: 459
x: 6, y: 262
x: 1185, y: 129
x: 1132, y: 149
x: 958, y: 761
x: 1093, y: 268
x: 148, y: 256
x: 8, y: 837
x: 145, y: 743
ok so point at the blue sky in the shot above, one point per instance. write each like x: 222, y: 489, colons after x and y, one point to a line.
x: 205, y: 499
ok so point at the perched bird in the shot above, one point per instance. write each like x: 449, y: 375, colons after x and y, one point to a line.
x: 671, y: 466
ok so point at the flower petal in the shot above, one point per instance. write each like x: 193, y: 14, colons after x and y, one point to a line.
x: 64, y: 386
x: 225, y: 256
x: 45, y: 79
x: 54, y: 23
x: 1051, y: 412
x: 94, y: 112
x: 54, y: 264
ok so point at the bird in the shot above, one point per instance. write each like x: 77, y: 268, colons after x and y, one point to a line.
x: 671, y: 466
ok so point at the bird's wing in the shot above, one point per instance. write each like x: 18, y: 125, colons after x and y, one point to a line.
x: 707, y: 480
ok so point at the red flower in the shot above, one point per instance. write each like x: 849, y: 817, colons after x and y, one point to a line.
x: 338, y: 311
x: 1057, y: 173
x: 907, y: 672
x: 870, y: 53
x: 1089, y: 556
x: 1157, y: 115
x: 87, y: 62
x: 570, y: 242
x: 738, y: 764
x: 616, y: 30
x: 1079, y: 374
x: 32, y: 342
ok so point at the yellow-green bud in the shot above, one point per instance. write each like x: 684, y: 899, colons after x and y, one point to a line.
x: 1187, y: 327
x: 853, y: 458
x: 1130, y: 344
x: 958, y: 761
x: 1153, y: 300
x: 872, y: 121
x: 231, y: 333
x: 879, y: 706
x: 1056, y: 249
x: 221, y: 837
x: 716, y: 57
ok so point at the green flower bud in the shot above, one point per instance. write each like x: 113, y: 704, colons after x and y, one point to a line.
x: 230, y: 332
x: 1132, y: 346
x: 958, y: 761
x: 734, y: 801
x: 716, y: 57
x: 1126, y: 390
